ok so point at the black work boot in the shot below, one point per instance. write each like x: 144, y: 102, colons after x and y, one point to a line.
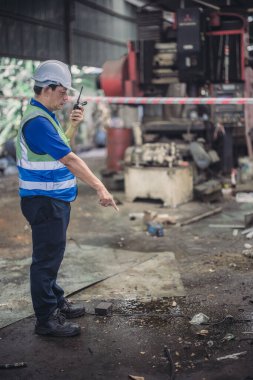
x: 71, y: 310
x: 56, y: 326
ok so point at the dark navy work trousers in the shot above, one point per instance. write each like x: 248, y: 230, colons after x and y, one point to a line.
x: 49, y: 219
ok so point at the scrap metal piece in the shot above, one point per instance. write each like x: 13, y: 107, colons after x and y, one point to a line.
x: 228, y: 337
x: 233, y: 356
x: 171, y: 369
x: 235, y: 226
x: 13, y: 365
x: 201, y: 216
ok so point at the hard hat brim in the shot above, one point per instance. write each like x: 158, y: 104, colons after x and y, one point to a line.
x: 48, y: 82
x: 71, y: 88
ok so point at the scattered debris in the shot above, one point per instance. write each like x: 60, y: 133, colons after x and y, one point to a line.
x: 237, y: 226
x: 228, y: 337
x: 171, y: 365
x: 235, y: 232
x: 165, y: 219
x: 103, y: 308
x: 248, y: 219
x: 227, y: 318
x: 244, y: 232
x: 210, y: 343
x: 248, y: 252
x: 13, y: 365
x: 208, y: 191
x: 249, y: 235
x: 155, y: 229
x: 136, y: 377
x: 247, y: 245
x: 227, y: 191
x: 151, y: 216
x: 244, y: 197
x: 176, y: 311
x: 201, y: 216
x: 199, y: 319
x: 247, y: 222
x: 154, y: 222
x: 136, y: 215
x: 233, y: 356
x: 202, y: 332
x: 148, y: 216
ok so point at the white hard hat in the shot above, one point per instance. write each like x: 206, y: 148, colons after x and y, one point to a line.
x: 53, y: 72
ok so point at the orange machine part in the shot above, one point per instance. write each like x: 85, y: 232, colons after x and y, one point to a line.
x: 118, y: 139
x: 113, y: 77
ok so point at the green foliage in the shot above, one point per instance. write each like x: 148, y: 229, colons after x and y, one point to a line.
x: 16, y: 81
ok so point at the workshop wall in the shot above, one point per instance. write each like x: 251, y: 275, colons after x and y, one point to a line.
x: 78, y: 32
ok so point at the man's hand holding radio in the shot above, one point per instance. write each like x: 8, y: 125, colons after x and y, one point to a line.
x: 76, y: 116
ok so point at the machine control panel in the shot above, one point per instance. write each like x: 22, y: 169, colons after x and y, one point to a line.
x: 228, y: 113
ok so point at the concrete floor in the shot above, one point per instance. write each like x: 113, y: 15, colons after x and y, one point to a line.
x: 210, y: 276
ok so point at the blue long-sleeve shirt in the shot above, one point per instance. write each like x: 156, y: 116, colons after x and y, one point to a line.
x: 41, y: 136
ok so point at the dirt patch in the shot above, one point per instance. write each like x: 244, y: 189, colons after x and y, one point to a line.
x: 216, y: 276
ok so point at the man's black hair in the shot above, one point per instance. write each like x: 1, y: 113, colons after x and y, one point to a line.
x: 37, y: 90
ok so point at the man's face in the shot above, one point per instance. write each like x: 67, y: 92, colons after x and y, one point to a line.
x: 57, y: 98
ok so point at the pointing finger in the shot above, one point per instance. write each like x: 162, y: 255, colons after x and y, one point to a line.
x: 113, y: 204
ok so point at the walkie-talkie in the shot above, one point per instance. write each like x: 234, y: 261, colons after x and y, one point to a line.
x: 77, y: 104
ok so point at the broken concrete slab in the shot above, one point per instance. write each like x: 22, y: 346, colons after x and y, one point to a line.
x: 82, y: 266
x: 156, y: 277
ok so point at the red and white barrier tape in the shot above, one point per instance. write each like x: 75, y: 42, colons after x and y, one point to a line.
x: 142, y: 100
x: 154, y: 101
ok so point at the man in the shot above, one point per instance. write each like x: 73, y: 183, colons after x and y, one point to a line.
x: 47, y: 184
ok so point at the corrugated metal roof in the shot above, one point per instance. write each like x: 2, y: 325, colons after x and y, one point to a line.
x: 85, y: 32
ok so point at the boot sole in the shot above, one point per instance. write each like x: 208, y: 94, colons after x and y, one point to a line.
x: 59, y: 334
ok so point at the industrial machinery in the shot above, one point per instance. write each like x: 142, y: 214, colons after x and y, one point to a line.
x: 158, y: 171
x: 229, y: 119
x: 192, y: 52
x: 190, y: 46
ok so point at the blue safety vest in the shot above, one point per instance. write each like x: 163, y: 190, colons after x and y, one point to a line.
x: 41, y: 174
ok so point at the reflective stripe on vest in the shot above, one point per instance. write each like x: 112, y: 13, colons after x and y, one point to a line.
x: 51, y: 165
x: 47, y: 185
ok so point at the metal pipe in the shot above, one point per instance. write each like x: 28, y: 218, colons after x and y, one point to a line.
x: 142, y: 4
x: 207, y: 4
